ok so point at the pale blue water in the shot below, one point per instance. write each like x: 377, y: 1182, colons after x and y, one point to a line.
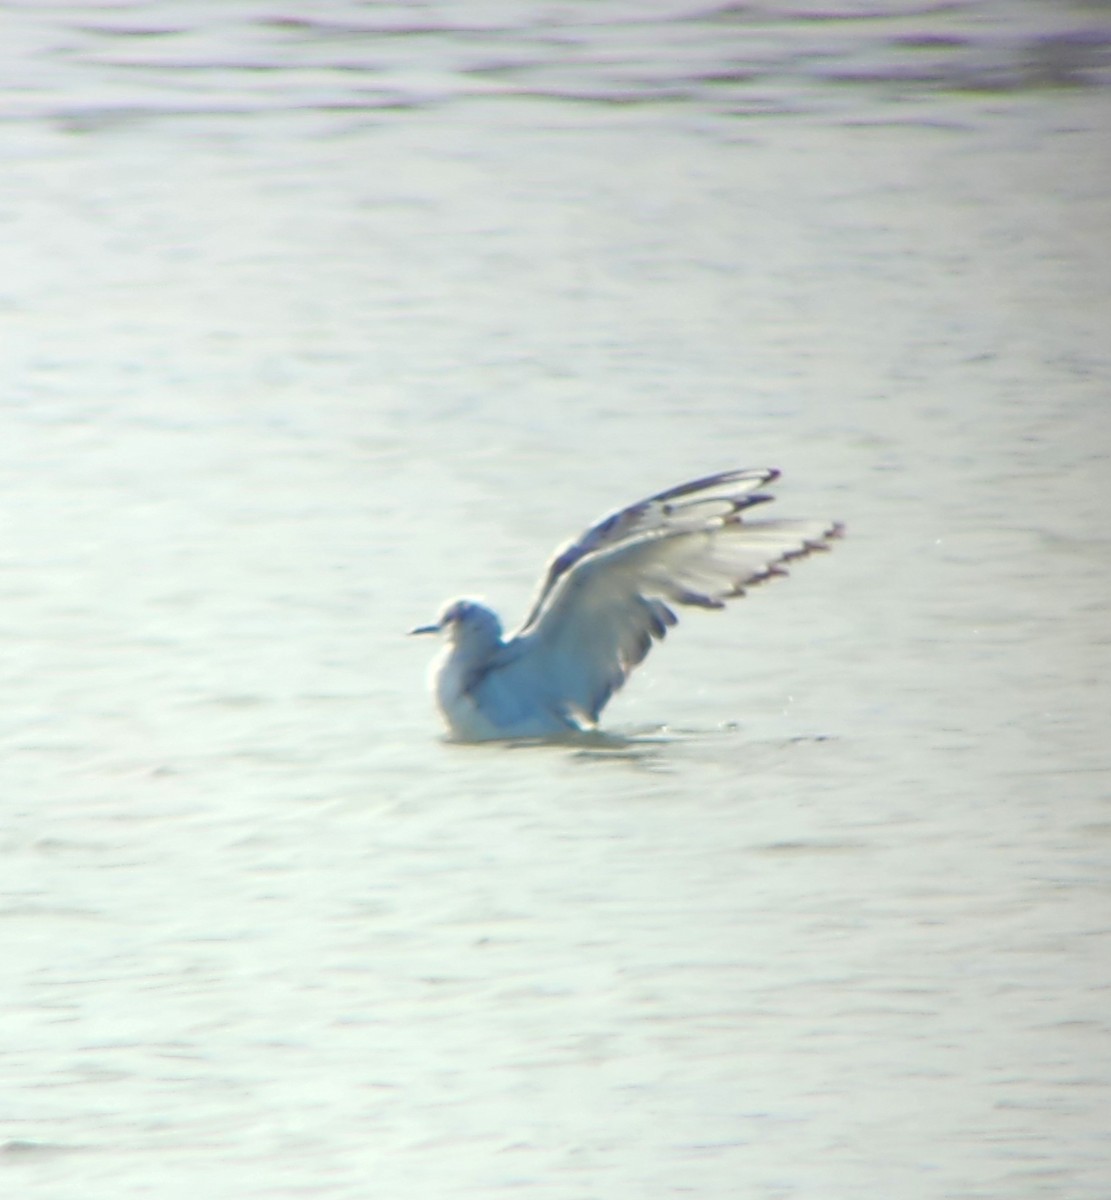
x: 315, y: 317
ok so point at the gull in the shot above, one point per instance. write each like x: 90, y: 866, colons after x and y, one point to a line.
x: 603, y: 602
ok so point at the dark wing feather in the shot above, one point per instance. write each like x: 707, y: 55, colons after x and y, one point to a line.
x: 699, y: 500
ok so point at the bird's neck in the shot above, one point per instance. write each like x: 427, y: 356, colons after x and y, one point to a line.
x: 471, y: 648
x: 466, y: 659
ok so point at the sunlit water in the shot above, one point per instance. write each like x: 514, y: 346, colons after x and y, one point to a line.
x: 316, y: 316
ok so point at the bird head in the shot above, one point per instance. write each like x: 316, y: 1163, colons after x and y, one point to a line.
x: 465, y: 619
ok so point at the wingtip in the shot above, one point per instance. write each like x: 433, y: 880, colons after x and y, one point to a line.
x: 819, y: 544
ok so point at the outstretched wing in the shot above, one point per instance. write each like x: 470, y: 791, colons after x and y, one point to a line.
x: 719, y: 495
x: 599, y: 616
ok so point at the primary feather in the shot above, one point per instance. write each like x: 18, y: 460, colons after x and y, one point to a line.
x: 606, y: 598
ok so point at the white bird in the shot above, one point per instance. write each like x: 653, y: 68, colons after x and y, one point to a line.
x: 603, y: 601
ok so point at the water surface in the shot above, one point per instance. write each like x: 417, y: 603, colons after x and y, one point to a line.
x: 314, y: 318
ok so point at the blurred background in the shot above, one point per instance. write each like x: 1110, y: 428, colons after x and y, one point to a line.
x: 315, y: 316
